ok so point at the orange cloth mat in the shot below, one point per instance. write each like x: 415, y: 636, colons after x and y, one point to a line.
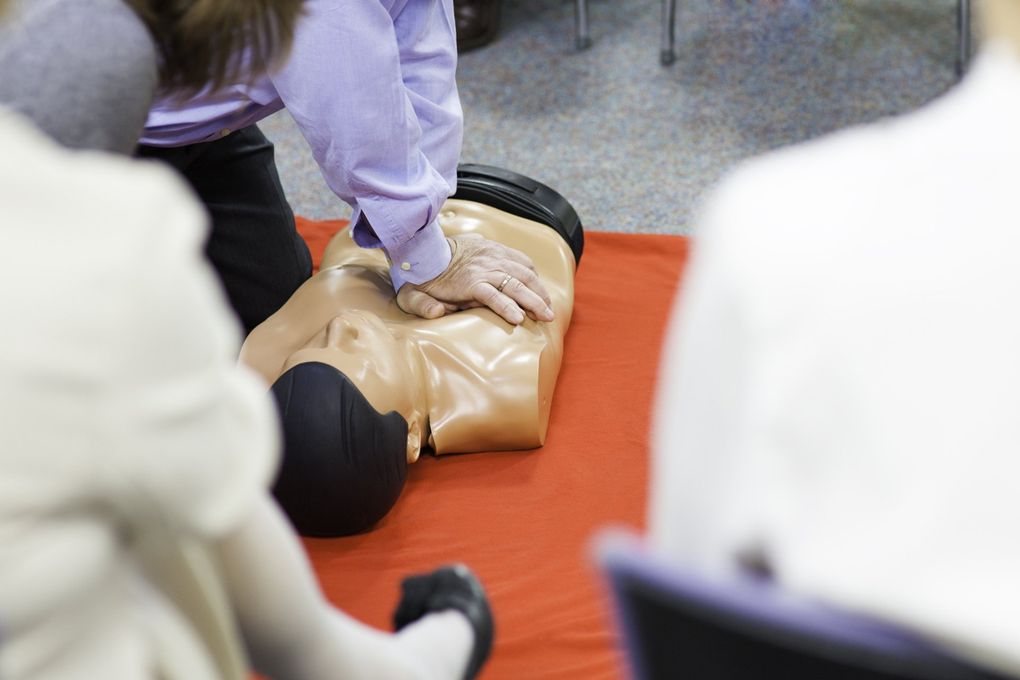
x: 523, y: 519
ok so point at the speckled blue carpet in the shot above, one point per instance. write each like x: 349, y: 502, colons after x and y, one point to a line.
x: 633, y: 144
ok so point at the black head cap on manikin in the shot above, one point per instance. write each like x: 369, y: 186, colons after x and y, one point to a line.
x: 344, y: 463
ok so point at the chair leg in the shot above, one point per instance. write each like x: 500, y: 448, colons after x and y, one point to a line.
x: 964, y: 32
x: 667, y: 55
x: 583, y: 38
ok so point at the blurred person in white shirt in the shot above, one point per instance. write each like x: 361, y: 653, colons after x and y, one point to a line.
x: 840, y: 391
x: 129, y: 436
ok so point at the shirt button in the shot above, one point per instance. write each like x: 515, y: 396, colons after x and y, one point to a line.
x: 406, y: 266
x: 225, y: 131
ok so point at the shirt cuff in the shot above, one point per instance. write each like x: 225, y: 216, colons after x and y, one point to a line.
x: 424, y: 257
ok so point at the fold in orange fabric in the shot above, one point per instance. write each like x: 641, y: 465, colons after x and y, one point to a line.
x: 523, y: 520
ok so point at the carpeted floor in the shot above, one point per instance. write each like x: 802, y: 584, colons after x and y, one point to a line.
x: 632, y: 144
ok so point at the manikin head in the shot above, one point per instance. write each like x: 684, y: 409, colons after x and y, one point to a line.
x: 350, y: 403
x: 376, y: 358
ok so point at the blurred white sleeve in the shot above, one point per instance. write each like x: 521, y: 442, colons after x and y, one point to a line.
x: 292, y: 632
x: 195, y: 447
x: 199, y: 439
x: 699, y: 503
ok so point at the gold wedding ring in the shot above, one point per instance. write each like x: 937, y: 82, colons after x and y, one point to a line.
x: 506, y: 279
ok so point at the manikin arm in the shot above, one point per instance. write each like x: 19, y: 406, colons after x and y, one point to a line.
x: 292, y: 632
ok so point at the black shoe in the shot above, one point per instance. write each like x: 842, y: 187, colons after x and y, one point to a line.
x: 477, y: 22
x: 453, y: 587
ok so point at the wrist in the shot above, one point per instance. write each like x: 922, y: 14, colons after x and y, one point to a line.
x: 421, y: 258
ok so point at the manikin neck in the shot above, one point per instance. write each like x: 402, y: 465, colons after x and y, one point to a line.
x: 418, y: 420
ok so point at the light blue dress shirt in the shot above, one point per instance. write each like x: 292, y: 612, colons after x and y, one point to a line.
x: 371, y: 84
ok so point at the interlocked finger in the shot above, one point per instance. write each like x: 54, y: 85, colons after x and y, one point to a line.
x: 510, y: 297
x: 485, y: 295
x: 483, y: 273
x: 507, y: 278
x: 529, y: 279
x: 528, y: 292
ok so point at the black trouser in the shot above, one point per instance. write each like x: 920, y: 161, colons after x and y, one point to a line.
x: 254, y: 245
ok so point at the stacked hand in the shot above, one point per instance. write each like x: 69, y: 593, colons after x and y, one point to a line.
x: 482, y: 273
x: 452, y: 587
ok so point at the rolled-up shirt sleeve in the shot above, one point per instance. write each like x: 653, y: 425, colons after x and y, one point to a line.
x: 372, y: 86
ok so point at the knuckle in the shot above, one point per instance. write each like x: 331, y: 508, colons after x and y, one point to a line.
x: 528, y: 277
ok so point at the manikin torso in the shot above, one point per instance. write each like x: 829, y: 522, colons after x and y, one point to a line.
x: 477, y: 383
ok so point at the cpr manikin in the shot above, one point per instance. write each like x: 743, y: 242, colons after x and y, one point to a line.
x: 363, y: 387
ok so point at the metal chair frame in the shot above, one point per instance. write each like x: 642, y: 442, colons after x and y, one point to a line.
x: 676, y: 622
x: 963, y: 31
x: 667, y: 51
x: 582, y: 36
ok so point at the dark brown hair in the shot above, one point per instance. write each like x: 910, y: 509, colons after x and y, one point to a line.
x: 217, y: 42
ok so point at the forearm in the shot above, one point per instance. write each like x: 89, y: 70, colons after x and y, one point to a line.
x: 291, y: 632
x: 377, y: 103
